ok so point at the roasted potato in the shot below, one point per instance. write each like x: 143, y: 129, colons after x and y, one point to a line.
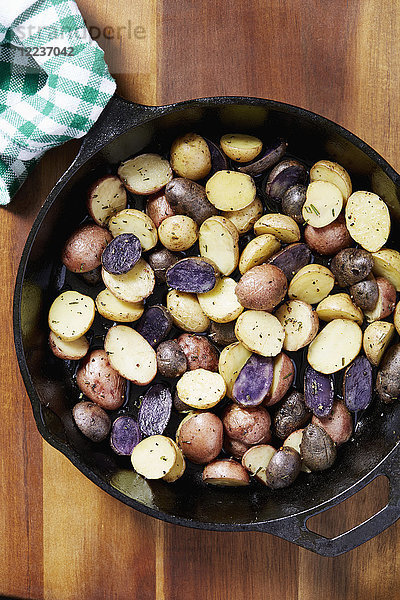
x: 328, y: 240
x: 256, y: 460
x: 254, y: 381
x: 145, y: 174
x: 293, y: 201
x: 300, y: 324
x: 178, y: 233
x: 291, y: 259
x: 338, y: 424
x: 92, y: 420
x: 121, y: 254
x: 199, y: 352
x: 357, y: 384
x: 230, y: 190
x: 106, y: 197
x: 387, y: 265
x: 317, y: 448
x: 222, y: 334
x: 200, y: 437
x: 221, y: 304
x: 339, y: 306
x: 283, y: 376
x: 241, y: 147
x: 137, y: 222
x: 323, y: 204
x: 319, y: 392
x: 283, y: 468
x: 121, y: 344
x: 114, y: 309
x: 154, y: 457
x: 368, y: 220
x: 291, y: 415
x: 190, y: 156
x: 351, y: 265
x: 187, y: 312
x: 171, y: 360
x: 231, y: 361
x: 160, y: 261
x: 133, y: 286
x: 262, y: 288
x: 388, y: 378
x: 335, y: 346
x: 193, y: 274
x: 158, y: 208
x: 125, y: 435
x: 283, y: 176
x: 219, y: 242
x: 245, y: 218
x: 327, y: 170
x: 225, y: 472
x: 189, y: 198
x: 260, y: 332
x: 155, y: 324
x: 155, y: 410
x: 258, y: 251
x: 201, y: 389
x: 71, y: 315
x: 376, y: 339
x: 284, y: 228
x: 271, y: 155
x: 100, y: 382
x: 83, y: 249
x: 386, y: 302
x: 249, y: 425
x: 311, y: 284
x: 365, y: 293
x: 74, y: 350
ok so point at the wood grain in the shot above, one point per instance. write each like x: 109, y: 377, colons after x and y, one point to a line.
x: 63, y: 538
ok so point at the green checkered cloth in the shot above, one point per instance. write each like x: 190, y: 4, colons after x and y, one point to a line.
x: 54, y: 83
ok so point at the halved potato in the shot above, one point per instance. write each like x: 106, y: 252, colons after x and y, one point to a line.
x: 230, y: 190
x: 323, y: 204
x: 71, y: 315
x: 396, y: 317
x: 339, y: 306
x: 178, y: 233
x: 387, y: 265
x: 74, y: 350
x: 294, y: 441
x: 106, y: 197
x: 221, y: 304
x: 282, y: 379
x: 111, y: 307
x: 257, y: 251
x: 311, y: 284
x: 386, y: 302
x: 187, y: 312
x: 137, y: 222
x: 154, y: 457
x: 368, y: 220
x: 201, y: 389
x: 284, y: 228
x: 256, y: 460
x: 260, y: 332
x: 178, y: 469
x: 240, y: 146
x: 377, y: 338
x: 300, y: 323
x: 219, y: 241
x: 130, y: 354
x: 327, y: 170
x: 231, y: 361
x: 245, y: 218
x: 145, y: 174
x: 225, y: 472
x: 190, y: 156
x: 133, y: 286
x: 335, y: 346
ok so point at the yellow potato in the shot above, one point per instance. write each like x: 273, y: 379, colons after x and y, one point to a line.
x: 219, y: 242
x: 71, y: 315
x: 376, y: 340
x: 339, y: 306
x: 187, y: 312
x: 231, y: 361
x: 258, y: 251
x: 190, y: 156
x: 133, y: 286
x: 284, y: 228
x: 368, y: 220
x: 335, y: 346
x: 137, y: 222
x: 200, y: 388
x: 241, y: 147
x: 323, y: 204
x: 221, y: 304
x: 145, y: 174
x: 230, y: 190
x: 311, y: 284
x: 327, y: 170
x: 178, y: 233
x: 260, y: 332
x: 245, y: 218
x: 387, y: 265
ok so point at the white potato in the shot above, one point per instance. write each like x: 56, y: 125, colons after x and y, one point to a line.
x: 311, y: 284
x: 219, y: 241
x: 178, y: 469
x: 323, y: 204
x: 111, y: 307
x: 130, y: 354
x: 231, y: 361
x: 178, y: 233
x: 137, y: 222
x: 106, y: 197
x: 154, y: 457
x: 300, y: 323
x: 377, y: 338
x: 294, y: 441
x: 145, y: 174
x: 339, y: 306
x: 230, y: 190
x: 190, y: 156
x: 284, y: 228
x: 396, y: 317
x: 201, y: 388
x: 260, y: 332
x: 133, y: 286
x: 71, y: 315
x: 258, y: 251
x: 335, y: 346
x: 245, y: 218
x: 327, y: 170
x: 221, y: 304
x: 387, y: 265
x: 368, y: 220
x: 256, y: 460
x: 187, y: 312
x: 74, y: 350
x: 240, y: 146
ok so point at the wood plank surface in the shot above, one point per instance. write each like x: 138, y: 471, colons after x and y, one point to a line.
x: 63, y: 538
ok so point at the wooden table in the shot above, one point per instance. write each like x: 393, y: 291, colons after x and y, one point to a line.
x: 60, y: 536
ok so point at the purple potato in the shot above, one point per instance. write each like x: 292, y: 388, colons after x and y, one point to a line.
x: 189, y: 198
x: 351, y: 265
x: 155, y: 324
x: 121, y: 254
x: 92, y: 420
x: 283, y: 468
x: 283, y: 176
x: 365, y: 293
x: 125, y: 435
x: 254, y: 381
x: 291, y: 259
x: 171, y: 359
x: 357, y: 384
x: 222, y: 334
x: 317, y: 448
x: 319, y: 392
x: 160, y: 261
x: 293, y: 201
x: 219, y: 161
x: 291, y: 415
x: 388, y: 378
x: 194, y: 274
x: 92, y: 277
x: 155, y: 410
x: 270, y: 157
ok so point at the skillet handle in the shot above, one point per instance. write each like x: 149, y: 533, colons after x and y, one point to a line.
x: 294, y: 528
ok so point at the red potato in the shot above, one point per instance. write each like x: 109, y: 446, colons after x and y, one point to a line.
x: 338, y: 425
x: 158, y: 208
x: 237, y: 448
x: 225, y: 472
x: 200, y: 437
x: 100, y: 382
x: 199, y: 352
x: 328, y: 240
x: 262, y: 288
x: 386, y: 301
x: 282, y: 379
x: 83, y: 249
x: 248, y: 425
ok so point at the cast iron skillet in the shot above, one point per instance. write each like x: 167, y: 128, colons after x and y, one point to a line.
x: 123, y: 130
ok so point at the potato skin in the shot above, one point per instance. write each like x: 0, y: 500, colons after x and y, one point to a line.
x: 226, y: 468
x: 222, y: 333
x: 388, y: 378
x: 284, y: 379
x: 92, y: 420
x: 262, y: 288
x: 248, y: 425
x: 328, y: 240
x: 200, y: 437
x: 338, y: 425
x: 283, y: 468
x: 292, y: 202
x: 158, y: 208
x: 317, y: 448
x: 365, y: 293
x: 189, y: 198
x: 178, y: 232
x: 351, y: 265
x: 160, y: 261
x: 291, y: 415
x: 83, y: 249
x: 100, y: 382
x: 190, y: 156
x: 199, y: 352
x: 171, y: 360
x: 237, y: 448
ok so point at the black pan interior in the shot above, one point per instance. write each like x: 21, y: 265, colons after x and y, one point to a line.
x: 48, y: 381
